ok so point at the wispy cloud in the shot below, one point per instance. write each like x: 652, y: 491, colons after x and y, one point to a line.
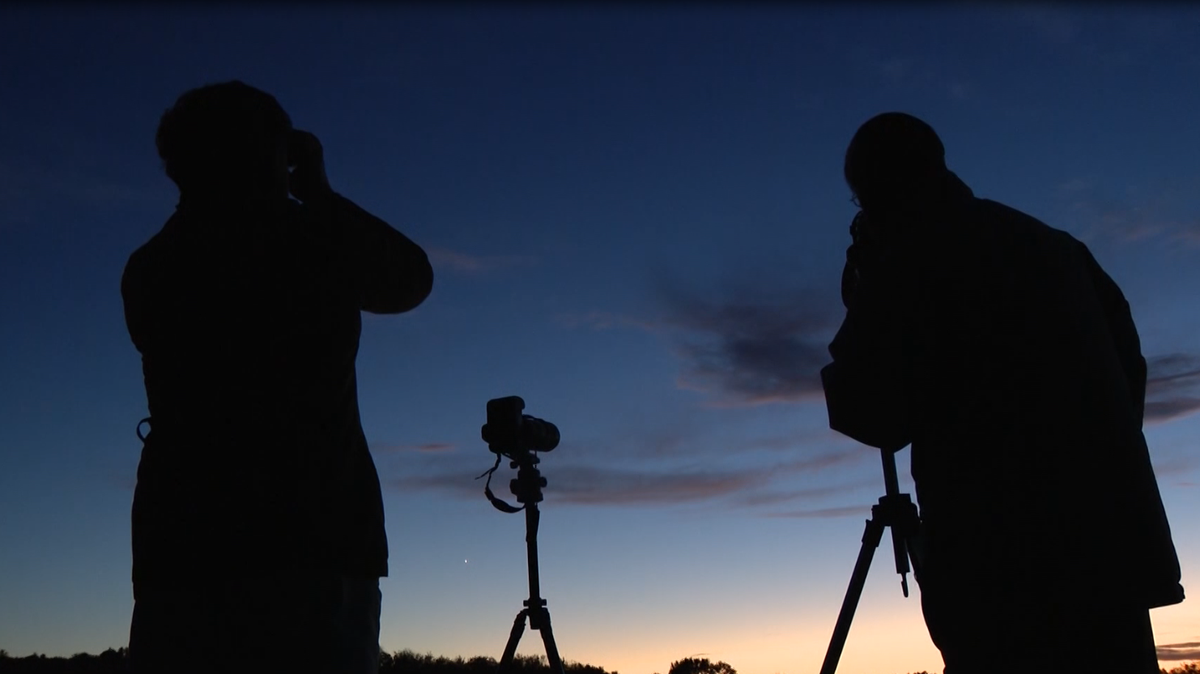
x: 591, y: 485
x: 1172, y: 386
x: 760, y: 346
x: 753, y: 346
x: 1177, y: 652
x: 426, y: 448
x: 595, y: 485
x: 1167, y: 212
x: 907, y: 71
x: 773, y: 498
x: 682, y: 481
x: 1176, y: 466
x: 604, y: 320
x: 468, y: 263
x: 27, y: 190
x: 822, y: 513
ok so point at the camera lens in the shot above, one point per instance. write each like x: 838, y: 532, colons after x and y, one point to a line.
x: 538, y: 435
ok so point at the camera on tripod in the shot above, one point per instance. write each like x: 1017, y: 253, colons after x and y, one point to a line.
x: 517, y: 436
x: 510, y: 433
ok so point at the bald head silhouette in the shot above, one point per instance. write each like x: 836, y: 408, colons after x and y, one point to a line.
x: 894, y: 160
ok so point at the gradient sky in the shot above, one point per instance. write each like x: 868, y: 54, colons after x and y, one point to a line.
x: 637, y: 220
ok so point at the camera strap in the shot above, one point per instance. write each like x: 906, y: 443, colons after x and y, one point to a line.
x: 487, y: 490
x: 138, y: 429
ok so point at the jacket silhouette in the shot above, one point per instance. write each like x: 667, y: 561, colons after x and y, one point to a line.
x: 248, y: 326
x: 258, y: 522
x: 1000, y: 350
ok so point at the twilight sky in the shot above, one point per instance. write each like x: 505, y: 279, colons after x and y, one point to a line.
x: 637, y: 220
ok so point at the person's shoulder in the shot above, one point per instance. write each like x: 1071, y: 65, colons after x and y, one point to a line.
x: 150, y: 255
x: 1003, y: 215
x: 1033, y: 236
x: 1009, y: 215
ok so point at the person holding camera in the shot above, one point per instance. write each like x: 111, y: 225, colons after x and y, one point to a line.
x: 258, y: 523
x: 1000, y: 350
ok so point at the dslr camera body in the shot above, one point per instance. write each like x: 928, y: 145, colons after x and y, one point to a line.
x: 509, y: 432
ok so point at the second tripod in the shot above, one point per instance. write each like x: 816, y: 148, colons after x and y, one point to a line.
x: 894, y: 510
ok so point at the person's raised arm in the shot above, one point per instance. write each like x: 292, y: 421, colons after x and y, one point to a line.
x: 868, y: 385
x: 393, y: 273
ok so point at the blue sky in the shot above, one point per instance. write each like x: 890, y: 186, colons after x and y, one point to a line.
x: 637, y: 220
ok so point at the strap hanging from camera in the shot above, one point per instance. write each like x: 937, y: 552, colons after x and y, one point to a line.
x: 499, y: 504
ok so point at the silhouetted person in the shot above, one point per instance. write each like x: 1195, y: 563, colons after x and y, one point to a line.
x: 999, y: 348
x: 258, y: 524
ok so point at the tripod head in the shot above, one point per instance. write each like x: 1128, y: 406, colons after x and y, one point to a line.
x: 897, y: 511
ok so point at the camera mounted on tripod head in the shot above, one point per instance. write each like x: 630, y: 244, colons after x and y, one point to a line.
x: 517, y: 436
x: 510, y: 433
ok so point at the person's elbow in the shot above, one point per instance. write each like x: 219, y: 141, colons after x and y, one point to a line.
x: 865, y: 411
x: 410, y: 287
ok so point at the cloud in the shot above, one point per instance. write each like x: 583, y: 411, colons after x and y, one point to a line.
x: 603, y: 320
x: 1188, y: 234
x: 790, y: 496
x: 763, y: 346
x: 1168, y: 212
x: 426, y: 448
x: 466, y: 263
x: 755, y: 347
x: 798, y: 440
x: 821, y: 513
x: 29, y: 189
x: 1175, y: 466
x: 1177, y: 652
x: 580, y: 484
x: 1172, y: 386
x: 594, y: 485
x: 590, y: 485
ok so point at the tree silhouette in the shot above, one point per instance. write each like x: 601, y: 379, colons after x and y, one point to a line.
x: 700, y: 666
x: 401, y: 662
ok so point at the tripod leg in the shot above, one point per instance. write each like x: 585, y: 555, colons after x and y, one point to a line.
x: 556, y: 666
x: 514, y: 637
x: 870, y: 541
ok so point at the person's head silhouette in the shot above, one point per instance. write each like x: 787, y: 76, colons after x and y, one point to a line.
x: 226, y: 142
x: 894, y: 163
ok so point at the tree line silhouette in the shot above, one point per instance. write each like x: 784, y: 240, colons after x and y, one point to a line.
x: 401, y: 662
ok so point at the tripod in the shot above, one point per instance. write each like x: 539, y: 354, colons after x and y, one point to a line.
x: 894, y: 510
x: 527, y: 487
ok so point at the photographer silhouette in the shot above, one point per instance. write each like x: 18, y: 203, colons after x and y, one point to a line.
x: 258, y: 531
x: 1005, y: 355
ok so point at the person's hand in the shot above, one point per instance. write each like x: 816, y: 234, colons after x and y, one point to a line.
x: 849, y: 278
x: 306, y: 159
